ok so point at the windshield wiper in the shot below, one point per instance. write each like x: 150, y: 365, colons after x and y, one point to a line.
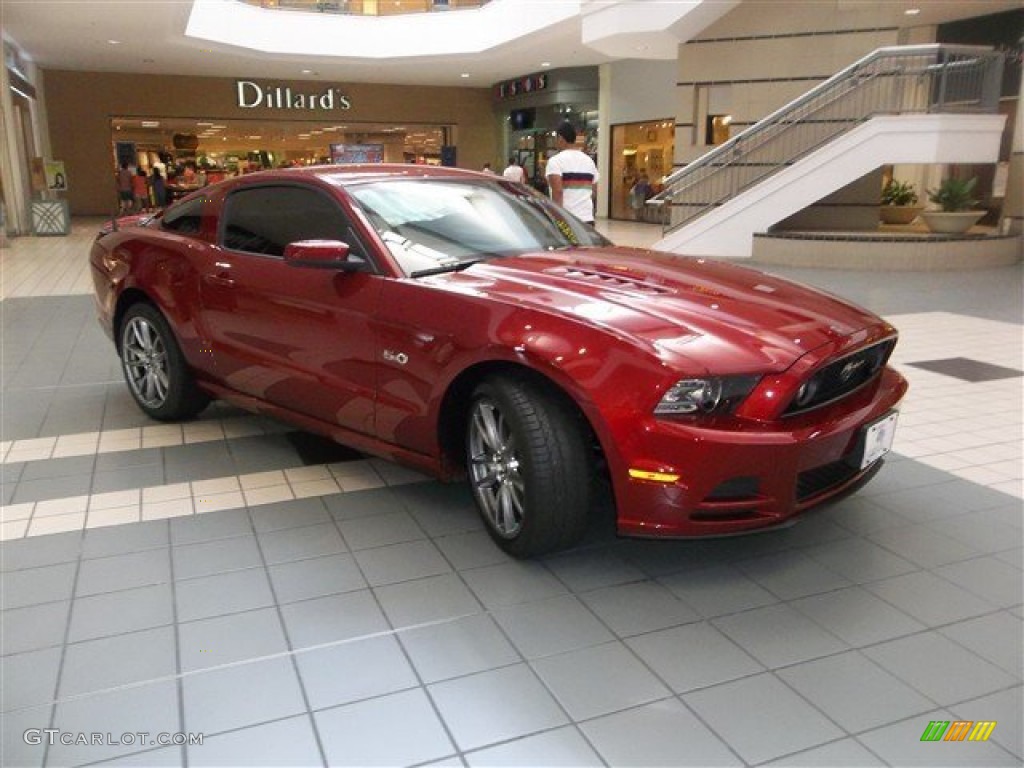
x: 457, y: 267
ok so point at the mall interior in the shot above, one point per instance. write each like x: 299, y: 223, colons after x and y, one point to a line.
x: 230, y: 591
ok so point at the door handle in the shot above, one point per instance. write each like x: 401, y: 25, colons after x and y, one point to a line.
x: 220, y: 280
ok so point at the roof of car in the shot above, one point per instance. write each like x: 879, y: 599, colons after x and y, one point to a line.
x: 346, y: 174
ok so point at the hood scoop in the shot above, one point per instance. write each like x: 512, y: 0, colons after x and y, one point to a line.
x: 618, y: 281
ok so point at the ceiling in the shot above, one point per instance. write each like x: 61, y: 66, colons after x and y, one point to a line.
x: 75, y: 34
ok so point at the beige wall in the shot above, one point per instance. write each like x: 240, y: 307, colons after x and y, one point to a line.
x: 79, y: 106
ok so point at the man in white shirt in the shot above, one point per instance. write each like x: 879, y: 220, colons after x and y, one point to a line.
x: 514, y: 172
x: 572, y: 176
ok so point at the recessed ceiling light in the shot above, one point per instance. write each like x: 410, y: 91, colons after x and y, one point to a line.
x: 307, y: 71
x: 912, y: 11
x: 114, y: 42
x: 545, y: 63
x: 464, y: 74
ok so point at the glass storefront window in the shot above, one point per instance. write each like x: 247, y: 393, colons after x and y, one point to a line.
x: 641, y: 158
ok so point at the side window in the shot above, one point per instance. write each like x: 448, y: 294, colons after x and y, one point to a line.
x: 265, y: 219
x: 185, y: 219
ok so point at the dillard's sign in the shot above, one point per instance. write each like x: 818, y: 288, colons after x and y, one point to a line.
x: 252, y: 95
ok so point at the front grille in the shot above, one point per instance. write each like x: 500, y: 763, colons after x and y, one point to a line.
x: 820, y: 479
x: 841, y: 377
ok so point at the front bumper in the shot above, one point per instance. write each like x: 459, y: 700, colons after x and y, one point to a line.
x: 745, y: 476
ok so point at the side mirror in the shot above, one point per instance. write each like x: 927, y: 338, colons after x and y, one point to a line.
x: 322, y: 254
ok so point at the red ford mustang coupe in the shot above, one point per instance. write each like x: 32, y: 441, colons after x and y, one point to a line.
x: 468, y: 327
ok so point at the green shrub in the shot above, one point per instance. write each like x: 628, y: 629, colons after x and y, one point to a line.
x: 955, y: 194
x: 898, y: 193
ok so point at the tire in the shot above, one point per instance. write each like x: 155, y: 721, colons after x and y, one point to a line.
x: 530, y: 467
x: 155, y: 369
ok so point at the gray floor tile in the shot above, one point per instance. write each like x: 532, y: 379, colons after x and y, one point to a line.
x: 857, y: 616
x: 289, y: 514
x: 110, y: 480
x: 760, y: 718
x: 198, y: 529
x: 854, y: 692
x: 223, y: 593
x: 226, y: 639
x: 986, y: 531
x: 475, y: 549
x: 511, y: 583
x: 13, y: 726
x: 845, y: 753
x: 401, y: 562
x: 664, y: 733
x: 45, y: 584
x: 151, y: 709
x: 166, y: 757
x: 127, y: 459
x: 915, y: 660
x: 779, y: 635
x: 290, y: 544
x: 939, y: 500
x: 998, y: 638
x: 586, y: 571
x: 363, y: 734
x: 633, y: 609
x: 112, y: 574
x: 440, y: 508
x: 718, y: 591
x: 709, y: 657
x: 53, y: 468
x: 791, y: 575
x: 923, y: 547
x: 117, y: 612
x: 990, y: 578
x: 458, y: 647
x: 53, y: 488
x: 288, y: 743
x: 111, y: 662
x: 316, y: 577
x: 860, y: 560
x: 29, y: 679
x: 38, y: 551
x: 198, y: 461
x: 348, y: 506
x: 560, y: 748
x: 328, y: 619
x: 354, y: 670
x: 435, y: 598
x: 900, y: 744
x: 217, y: 556
x: 1007, y: 709
x: 929, y: 599
x: 861, y: 515
x: 469, y: 704
x: 380, y: 530
x: 547, y: 627
x: 33, y: 627
x: 123, y: 539
x: 599, y: 680
x: 241, y: 695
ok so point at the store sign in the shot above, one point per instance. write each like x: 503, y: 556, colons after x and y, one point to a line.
x: 523, y: 85
x: 252, y: 95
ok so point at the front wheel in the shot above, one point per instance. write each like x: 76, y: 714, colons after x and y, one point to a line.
x: 530, y: 467
x: 155, y: 368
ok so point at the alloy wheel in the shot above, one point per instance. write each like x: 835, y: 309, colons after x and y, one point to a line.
x: 494, y: 468
x: 145, y: 362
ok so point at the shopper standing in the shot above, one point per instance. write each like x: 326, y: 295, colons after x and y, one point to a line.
x: 140, y: 189
x: 514, y: 172
x: 572, y: 176
x: 124, y: 189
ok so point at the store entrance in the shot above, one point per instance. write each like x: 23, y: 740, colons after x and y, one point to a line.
x: 641, y: 159
x: 191, y: 152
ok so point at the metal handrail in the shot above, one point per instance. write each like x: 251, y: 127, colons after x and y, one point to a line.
x: 893, y: 80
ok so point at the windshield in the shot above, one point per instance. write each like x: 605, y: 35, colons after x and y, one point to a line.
x: 433, y: 225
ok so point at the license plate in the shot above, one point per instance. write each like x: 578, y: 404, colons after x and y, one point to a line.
x: 878, y: 439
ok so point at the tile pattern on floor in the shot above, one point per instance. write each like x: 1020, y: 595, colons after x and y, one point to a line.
x: 301, y: 621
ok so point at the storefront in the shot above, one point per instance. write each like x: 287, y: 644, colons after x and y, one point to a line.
x: 21, y: 145
x: 212, y: 127
x: 533, y: 106
x: 641, y: 158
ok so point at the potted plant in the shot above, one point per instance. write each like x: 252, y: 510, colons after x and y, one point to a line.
x: 955, y: 198
x: 898, y: 203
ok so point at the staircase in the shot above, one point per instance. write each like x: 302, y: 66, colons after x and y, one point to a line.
x: 906, y: 104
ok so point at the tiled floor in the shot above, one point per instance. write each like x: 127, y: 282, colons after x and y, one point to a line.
x: 297, y: 604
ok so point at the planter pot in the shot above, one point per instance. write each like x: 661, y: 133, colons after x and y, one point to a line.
x: 898, y: 214
x: 951, y: 222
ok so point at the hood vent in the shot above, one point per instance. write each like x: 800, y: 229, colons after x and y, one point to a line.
x: 610, y: 280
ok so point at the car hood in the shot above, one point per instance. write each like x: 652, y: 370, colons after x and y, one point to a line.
x: 697, y: 309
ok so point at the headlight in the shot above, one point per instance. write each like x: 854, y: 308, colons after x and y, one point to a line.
x: 715, y: 394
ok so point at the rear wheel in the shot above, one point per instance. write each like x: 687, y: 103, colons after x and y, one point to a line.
x: 530, y: 467
x: 155, y: 368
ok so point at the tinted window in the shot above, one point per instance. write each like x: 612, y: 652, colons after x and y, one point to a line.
x: 184, y: 218
x: 265, y: 219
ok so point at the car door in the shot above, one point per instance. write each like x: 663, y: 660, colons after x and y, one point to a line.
x: 295, y: 337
